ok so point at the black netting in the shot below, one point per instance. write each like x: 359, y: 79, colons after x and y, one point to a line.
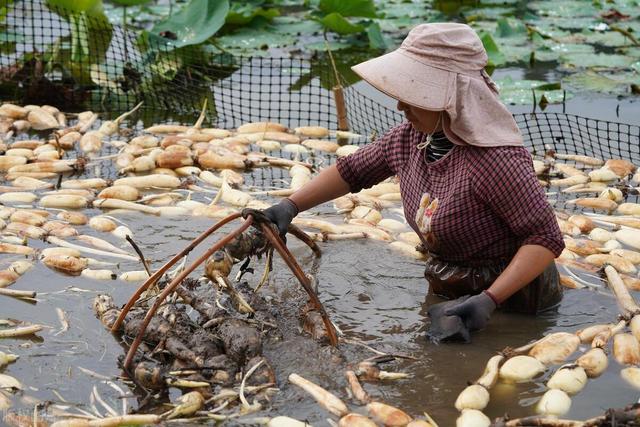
x: 47, y: 57
x: 566, y: 133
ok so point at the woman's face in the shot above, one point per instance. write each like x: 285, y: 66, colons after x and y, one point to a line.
x: 423, y: 120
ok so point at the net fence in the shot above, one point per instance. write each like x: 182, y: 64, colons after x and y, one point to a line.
x: 78, y: 61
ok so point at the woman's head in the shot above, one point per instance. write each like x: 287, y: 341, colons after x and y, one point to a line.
x: 440, y: 68
x: 427, y: 121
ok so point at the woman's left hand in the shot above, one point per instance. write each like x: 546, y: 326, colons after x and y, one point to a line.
x: 475, y: 311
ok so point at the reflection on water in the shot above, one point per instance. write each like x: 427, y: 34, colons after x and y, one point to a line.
x: 371, y: 292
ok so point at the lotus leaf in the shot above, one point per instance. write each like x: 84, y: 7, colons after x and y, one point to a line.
x: 88, y: 6
x: 253, y: 41
x: 376, y: 39
x: 552, y: 51
x: 394, y: 25
x: 513, y: 54
x: 362, y: 8
x: 616, y: 83
x: 496, y: 57
x: 510, y: 27
x: 294, y: 26
x: 488, y: 13
x: 598, y: 60
x: 405, y: 10
x: 194, y: 23
x: 243, y: 14
x: 577, y: 23
x: 332, y: 45
x: 130, y: 2
x: 566, y: 9
x: 608, y: 38
x: 519, y: 92
x: 341, y: 25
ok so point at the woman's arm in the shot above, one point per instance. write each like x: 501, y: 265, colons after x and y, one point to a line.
x: 328, y: 185
x: 362, y: 169
x: 505, y: 180
x: 527, y: 264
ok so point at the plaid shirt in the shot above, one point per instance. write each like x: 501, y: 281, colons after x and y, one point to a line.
x: 474, y: 204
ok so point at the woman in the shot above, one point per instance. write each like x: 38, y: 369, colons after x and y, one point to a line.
x: 467, y: 183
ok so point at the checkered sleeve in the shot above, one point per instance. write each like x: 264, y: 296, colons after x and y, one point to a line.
x: 504, y: 179
x: 377, y: 161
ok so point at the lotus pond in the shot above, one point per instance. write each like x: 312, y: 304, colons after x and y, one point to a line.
x: 579, y: 57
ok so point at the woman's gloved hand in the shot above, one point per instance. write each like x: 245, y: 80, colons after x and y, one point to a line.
x: 281, y: 215
x: 474, y: 311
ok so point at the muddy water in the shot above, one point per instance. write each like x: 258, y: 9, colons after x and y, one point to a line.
x: 374, y: 295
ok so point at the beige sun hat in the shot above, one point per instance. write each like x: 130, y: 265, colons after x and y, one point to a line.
x: 440, y: 67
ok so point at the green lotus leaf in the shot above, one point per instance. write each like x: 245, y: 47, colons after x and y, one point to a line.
x: 514, y: 54
x: 481, y: 25
x: 130, y: 2
x: 332, y: 45
x: 613, y: 83
x: 608, y: 38
x: 597, y: 60
x: 339, y: 24
x: 253, y: 41
x: 487, y: 13
x: 243, y: 14
x: 563, y: 9
x: 158, y: 9
x: 374, y: 34
x: 361, y: 8
x: 552, y: 51
x: 510, y: 27
x: 406, y: 10
x: 546, y: 30
x: 574, y: 24
x: 520, y: 92
x: 496, y: 57
x: 194, y: 23
x: 499, y: 2
x: 295, y: 26
x: 394, y: 25
x: 90, y: 7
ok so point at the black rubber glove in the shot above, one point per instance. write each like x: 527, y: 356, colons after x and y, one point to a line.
x: 474, y: 311
x: 281, y: 215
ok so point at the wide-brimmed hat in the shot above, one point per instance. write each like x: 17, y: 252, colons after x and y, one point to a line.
x: 440, y: 67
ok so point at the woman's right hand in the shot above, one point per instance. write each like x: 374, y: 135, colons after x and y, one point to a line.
x: 281, y: 215
x: 327, y: 185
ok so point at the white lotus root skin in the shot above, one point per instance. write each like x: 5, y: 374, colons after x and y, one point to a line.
x: 554, y: 402
x: 521, y: 368
x: 555, y: 348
